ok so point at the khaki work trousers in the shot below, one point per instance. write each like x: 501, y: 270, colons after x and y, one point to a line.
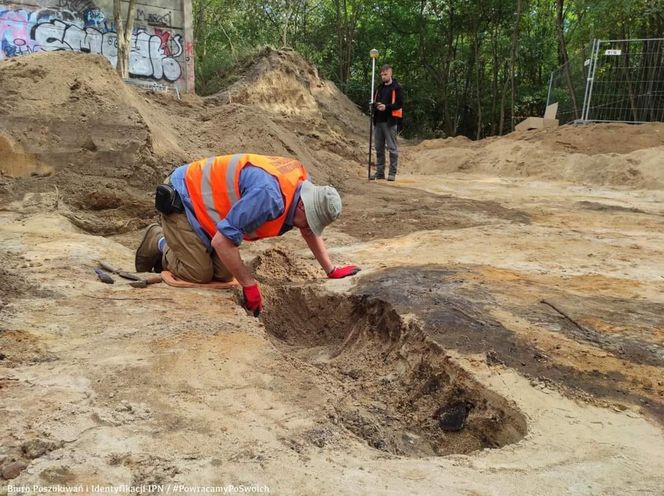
x: 186, y: 256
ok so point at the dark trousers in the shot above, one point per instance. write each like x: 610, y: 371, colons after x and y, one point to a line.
x: 386, y: 135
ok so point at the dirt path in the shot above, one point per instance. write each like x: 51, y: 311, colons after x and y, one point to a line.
x: 348, y: 386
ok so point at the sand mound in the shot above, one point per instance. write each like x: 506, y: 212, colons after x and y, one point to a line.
x: 595, y: 139
x: 69, y: 125
x: 600, y: 154
x: 282, y: 82
x: 286, y: 90
x: 235, y: 127
x: 75, y: 100
x: 68, y: 122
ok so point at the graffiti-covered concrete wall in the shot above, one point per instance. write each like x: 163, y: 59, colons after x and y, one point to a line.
x: 162, y: 44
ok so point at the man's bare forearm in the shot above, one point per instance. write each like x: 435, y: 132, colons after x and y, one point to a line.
x: 229, y: 254
x: 317, y: 247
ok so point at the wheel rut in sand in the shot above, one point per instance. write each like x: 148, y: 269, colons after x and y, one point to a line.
x: 389, y: 384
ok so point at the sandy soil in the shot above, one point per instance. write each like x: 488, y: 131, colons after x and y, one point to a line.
x: 505, y: 336
x: 342, y: 382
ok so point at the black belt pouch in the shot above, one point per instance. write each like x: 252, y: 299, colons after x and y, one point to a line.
x: 167, y: 200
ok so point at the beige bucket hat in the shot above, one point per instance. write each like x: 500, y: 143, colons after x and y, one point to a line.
x: 322, y: 205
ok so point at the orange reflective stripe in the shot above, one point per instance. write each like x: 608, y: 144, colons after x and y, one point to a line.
x: 399, y: 112
x: 214, y: 187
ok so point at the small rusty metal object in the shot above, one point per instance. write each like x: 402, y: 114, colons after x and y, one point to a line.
x: 136, y: 280
x: 143, y: 283
x: 104, y: 277
x: 121, y: 273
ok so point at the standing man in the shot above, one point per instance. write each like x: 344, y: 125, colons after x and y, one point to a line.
x: 388, y: 103
x: 210, y: 206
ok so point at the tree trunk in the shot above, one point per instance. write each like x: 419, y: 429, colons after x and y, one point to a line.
x: 496, y: 70
x: 514, y: 56
x: 123, y: 33
x: 346, y: 29
x: 286, y: 26
x: 448, y: 125
x: 478, y: 82
x: 510, y: 77
x: 560, y: 18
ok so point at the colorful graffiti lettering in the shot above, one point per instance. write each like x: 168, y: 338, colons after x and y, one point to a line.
x: 167, y: 42
x: 14, y: 26
x: 23, y: 32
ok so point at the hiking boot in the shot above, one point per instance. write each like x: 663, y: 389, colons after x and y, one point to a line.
x: 392, y: 177
x: 148, y: 256
x: 374, y: 177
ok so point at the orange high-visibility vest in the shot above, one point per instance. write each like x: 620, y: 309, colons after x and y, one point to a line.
x: 214, y: 187
x: 395, y: 113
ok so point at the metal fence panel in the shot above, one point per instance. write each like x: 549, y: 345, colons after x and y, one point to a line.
x: 566, y: 87
x: 625, y: 82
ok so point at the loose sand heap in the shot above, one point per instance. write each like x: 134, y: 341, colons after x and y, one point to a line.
x: 105, y: 144
x: 597, y: 154
x: 505, y: 336
x: 287, y: 88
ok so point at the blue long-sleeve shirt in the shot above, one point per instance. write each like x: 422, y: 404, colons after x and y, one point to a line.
x: 260, y: 201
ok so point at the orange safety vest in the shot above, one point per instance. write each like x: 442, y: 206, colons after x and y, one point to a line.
x: 214, y: 187
x: 395, y: 113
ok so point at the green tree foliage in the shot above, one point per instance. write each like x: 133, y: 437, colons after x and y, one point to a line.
x: 468, y: 67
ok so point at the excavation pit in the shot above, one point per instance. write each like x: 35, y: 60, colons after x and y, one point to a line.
x: 390, y: 385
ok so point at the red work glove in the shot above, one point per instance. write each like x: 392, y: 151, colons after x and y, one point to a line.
x: 340, y: 272
x: 252, y: 299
